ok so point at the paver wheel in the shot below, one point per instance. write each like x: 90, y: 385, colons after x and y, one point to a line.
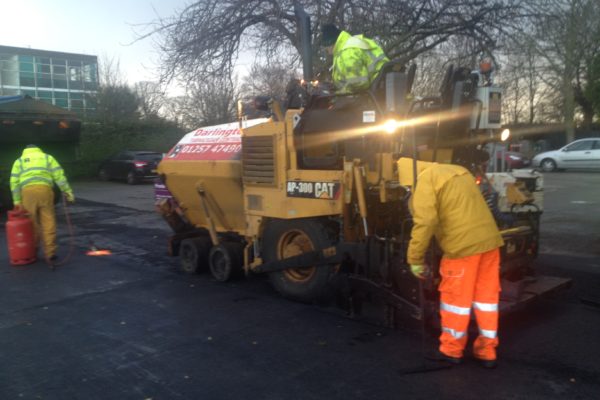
x: 288, y: 238
x: 193, y: 254
x: 225, y: 261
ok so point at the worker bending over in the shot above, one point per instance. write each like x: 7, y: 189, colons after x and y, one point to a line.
x: 31, y: 181
x: 448, y: 204
x: 356, y: 59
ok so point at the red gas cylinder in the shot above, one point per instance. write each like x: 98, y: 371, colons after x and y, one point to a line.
x: 20, y: 238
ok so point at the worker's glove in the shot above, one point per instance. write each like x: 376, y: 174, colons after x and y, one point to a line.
x: 419, y: 271
x: 70, y: 197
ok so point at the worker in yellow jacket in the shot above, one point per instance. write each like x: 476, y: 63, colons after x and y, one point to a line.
x: 448, y: 204
x: 357, y: 60
x: 31, y: 182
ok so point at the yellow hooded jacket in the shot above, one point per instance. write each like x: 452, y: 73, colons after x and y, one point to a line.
x: 356, y: 62
x: 447, y: 203
x: 35, y: 167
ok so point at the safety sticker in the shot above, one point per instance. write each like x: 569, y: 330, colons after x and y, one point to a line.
x: 218, y: 142
x: 314, y: 190
x: 368, y: 116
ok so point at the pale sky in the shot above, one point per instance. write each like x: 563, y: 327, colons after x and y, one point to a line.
x: 105, y: 28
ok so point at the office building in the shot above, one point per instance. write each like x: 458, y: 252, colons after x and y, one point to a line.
x: 66, y: 80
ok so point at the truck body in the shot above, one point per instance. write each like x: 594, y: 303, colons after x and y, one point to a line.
x: 23, y: 121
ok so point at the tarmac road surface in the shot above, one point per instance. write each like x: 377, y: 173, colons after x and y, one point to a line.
x: 132, y: 326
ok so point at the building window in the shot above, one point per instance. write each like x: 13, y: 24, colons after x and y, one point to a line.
x: 59, y: 83
x: 25, y: 67
x: 59, y: 69
x: 44, y: 80
x: 28, y: 59
x: 43, y: 68
x: 26, y: 79
x: 75, y: 78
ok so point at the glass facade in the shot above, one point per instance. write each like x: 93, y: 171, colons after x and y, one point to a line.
x: 64, y: 79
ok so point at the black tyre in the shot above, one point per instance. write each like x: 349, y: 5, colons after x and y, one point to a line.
x: 193, y: 254
x: 103, y: 175
x: 548, y: 165
x: 225, y: 261
x: 131, y: 178
x: 288, y: 238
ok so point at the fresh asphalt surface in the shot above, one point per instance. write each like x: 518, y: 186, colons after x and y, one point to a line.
x: 132, y: 326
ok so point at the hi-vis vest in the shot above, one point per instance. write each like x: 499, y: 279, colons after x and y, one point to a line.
x: 35, y: 167
x: 356, y: 62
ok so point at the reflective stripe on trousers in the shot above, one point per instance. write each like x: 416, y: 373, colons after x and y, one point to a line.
x: 470, y: 281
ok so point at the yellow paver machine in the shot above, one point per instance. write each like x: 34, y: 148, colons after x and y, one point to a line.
x: 311, y: 194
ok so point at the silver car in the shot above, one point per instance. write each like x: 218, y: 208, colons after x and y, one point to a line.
x: 582, y: 153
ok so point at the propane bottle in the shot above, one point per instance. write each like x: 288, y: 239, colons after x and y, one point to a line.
x: 20, y: 238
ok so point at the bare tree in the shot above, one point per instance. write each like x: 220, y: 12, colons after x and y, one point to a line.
x: 267, y: 79
x: 109, y: 71
x: 525, y: 84
x: 567, y: 37
x: 151, y: 98
x: 206, y: 37
x: 209, y: 102
x: 116, y: 101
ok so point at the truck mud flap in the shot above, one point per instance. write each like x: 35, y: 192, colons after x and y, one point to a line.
x: 516, y: 295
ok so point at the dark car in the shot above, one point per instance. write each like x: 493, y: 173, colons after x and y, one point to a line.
x: 132, y: 166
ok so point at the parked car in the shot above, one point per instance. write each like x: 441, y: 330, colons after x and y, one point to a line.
x: 502, y: 159
x: 582, y: 153
x: 132, y: 166
x: 512, y: 160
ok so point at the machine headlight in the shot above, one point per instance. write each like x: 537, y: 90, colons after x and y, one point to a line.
x: 390, y: 126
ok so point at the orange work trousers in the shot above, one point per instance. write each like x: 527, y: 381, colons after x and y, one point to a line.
x: 472, y: 281
x: 38, y: 201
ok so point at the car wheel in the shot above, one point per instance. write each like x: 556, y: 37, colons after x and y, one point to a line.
x: 548, y: 165
x: 131, y: 178
x: 103, y: 175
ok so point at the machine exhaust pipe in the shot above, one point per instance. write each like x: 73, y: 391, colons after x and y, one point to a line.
x: 303, y: 23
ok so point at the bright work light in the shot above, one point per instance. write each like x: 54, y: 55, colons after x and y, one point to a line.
x: 390, y: 126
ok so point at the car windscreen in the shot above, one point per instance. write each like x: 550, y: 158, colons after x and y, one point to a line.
x: 148, y: 156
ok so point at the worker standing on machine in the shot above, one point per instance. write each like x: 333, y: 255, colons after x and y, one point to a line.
x: 356, y: 59
x: 448, y: 204
x: 31, y: 182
